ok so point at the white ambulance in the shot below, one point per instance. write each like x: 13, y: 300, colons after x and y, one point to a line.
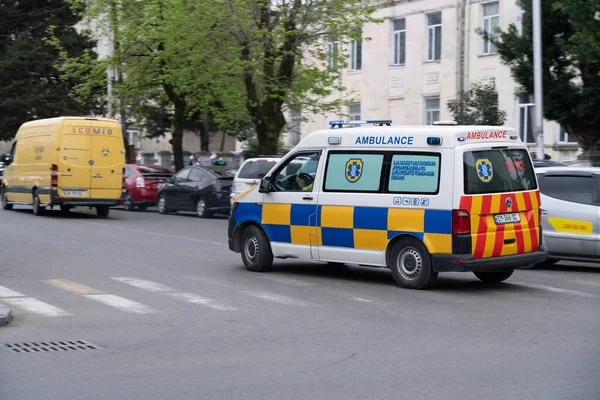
x: 418, y: 200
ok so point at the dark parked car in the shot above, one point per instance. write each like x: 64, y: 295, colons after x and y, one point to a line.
x: 141, y: 185
x: 205, y: 190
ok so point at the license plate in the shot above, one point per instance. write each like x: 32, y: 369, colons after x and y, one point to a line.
x: 507, y: 218
x: 74, y: 193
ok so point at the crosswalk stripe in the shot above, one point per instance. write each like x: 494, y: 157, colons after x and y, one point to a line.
x: 36, y: 306
x: 558, y: 290
x: 121, y: 303
x: 71, y: 286
x: 6, y: 292
x: 145, y: 285
x: 194, y: 298
x: 276, y: 298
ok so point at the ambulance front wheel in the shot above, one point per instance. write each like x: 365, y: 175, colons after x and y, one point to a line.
x: 494, y: 276
x: 410, y: 264
x: 256, y: 250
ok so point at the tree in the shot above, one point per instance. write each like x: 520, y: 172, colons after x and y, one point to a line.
x: 477, y: 106
x: 32, y: 84
x: 570, y: 64
x: 280, y: 53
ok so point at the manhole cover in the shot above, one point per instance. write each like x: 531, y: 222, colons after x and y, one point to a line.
x: 39, y: 347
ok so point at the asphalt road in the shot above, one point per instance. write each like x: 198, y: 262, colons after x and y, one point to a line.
x: 173, y: 314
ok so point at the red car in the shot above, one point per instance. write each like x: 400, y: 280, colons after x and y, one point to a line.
x: 141, y: 185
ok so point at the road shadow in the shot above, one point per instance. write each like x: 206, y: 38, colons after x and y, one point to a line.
x: 569, y: 266
x: 57, y: 213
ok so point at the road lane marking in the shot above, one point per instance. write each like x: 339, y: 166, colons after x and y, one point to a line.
x: 6, y: 292
x: 276, y: 298
x: 195, y: 299
x: 36, y: 306
x: 558, y: 290
x: 145, y: 285
x: 71, y: 286
x: 158, y: 234
x: 583, y: 282
x: 347, y: 294
x: 121, y: 303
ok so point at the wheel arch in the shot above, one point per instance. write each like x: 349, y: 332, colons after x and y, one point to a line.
x: 396, y: 239
x: 239, y: 232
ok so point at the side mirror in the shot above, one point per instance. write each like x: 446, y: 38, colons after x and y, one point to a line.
x: 265, y: 185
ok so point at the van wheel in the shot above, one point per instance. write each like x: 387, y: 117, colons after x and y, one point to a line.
x: 162, y: 204
x: 38, y: 209
x: 410, y: 264
x: 4, y: 201
x: 201, y: 209
x: 127, y: 203
x: 65, y: 209
x: 256, y: 250
x: 102, y: 211
x: 495, y: 276
x: 142, y: 207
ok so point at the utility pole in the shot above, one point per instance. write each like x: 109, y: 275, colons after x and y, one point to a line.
x: 538, y: 129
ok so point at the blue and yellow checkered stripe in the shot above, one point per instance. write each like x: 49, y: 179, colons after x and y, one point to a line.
x: 368, y: 228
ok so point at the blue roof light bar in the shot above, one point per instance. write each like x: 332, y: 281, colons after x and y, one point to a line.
x: 376, y: 122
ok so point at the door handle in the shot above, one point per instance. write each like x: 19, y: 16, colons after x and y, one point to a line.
x: 307, y: 198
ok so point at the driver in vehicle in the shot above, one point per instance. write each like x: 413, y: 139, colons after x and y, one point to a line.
x: 302, y: 182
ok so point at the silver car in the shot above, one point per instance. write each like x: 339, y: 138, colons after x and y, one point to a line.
x: 570, y: 212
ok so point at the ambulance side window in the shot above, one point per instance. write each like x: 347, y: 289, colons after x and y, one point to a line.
x: 414, y: 173
x: 348, y: 171
x: 298, y: 173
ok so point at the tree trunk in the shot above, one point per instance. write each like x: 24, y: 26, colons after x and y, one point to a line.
x: 205, y: 133
x: 177, y: 139
x: 223, y: 139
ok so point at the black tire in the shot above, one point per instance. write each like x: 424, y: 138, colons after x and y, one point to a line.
x: 201, y: 209
x: 550, y: 262
x: 127, y: 203
x: 102, y: 211
x: 256, y: 250
x: 162, y: 205
x: 65, y: 209
x: 38, y: 209
x: 494, y: 276
x: 4, y: 200
x: 142, y: 207
x: 335, y: 264
x: 410, y: 264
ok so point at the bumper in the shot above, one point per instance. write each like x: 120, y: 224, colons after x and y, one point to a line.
x: 145, y: 196
x: 465, y: 263
x: 231, y: 233
x: 70, y: 201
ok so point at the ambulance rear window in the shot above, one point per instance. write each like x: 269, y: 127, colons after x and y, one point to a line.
x: 498, y: 171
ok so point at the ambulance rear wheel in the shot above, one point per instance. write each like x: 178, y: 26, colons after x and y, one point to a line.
x: 256, y: 250
x: 494, y: 276
x: 410, y: 264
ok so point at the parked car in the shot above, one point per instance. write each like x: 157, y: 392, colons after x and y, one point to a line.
x: 141, y: 185
x: 250, y: 174
x: 570, y: 199
x: 205, y: 190
x: 546, y: 163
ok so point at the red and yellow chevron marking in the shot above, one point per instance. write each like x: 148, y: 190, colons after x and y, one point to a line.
x: 488, y: 238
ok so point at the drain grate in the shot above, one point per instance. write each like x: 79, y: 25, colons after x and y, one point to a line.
x: 40, y: 347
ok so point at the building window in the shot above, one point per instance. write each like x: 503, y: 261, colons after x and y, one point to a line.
x: 399, y: 42
x: 354, y: 111
x: 355, y: 55
x: 526, y: 108
x: 434, y: 35
x: 332, y: 52
x: 432, y: 110
x: 491, y: 20
x: 564, y: 136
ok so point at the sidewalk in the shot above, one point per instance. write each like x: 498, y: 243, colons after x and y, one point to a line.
x: 5, y: 314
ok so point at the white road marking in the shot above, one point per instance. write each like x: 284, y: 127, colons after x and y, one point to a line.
x: 288, y: 281
x: 584, y: 282
x: 194, y: 298
x: 145, y: 285
x: 36, y: 306
x: 72, y: 286
x: 559, y: 290
x: 121, y: 303
x: 6, y: 292
x: 159, y: 234
x: 276, y: 298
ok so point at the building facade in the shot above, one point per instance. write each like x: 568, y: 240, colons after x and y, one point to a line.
x: 420, y: 57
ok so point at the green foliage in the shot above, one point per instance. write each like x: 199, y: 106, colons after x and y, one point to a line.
x: 31, y: 67
x: 477, y: 106
x: 570, y: 61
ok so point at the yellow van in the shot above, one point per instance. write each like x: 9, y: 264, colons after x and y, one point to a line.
x: 65, y: 162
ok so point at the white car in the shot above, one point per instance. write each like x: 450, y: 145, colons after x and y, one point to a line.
x: 250, y: 174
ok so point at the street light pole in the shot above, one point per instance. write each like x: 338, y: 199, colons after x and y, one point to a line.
x: 538, y: 129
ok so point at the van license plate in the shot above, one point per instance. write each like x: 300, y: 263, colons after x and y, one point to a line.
x: 507, y: 218
x: 74, y: 193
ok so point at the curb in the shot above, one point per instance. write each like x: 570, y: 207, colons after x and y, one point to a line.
x: 5, y: 315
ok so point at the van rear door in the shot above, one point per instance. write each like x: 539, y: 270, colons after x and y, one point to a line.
x: 502, y: 197
x: 73, y: 159
x: 108, y: 160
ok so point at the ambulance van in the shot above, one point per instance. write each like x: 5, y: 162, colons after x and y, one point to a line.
x: 65, y: 162
x: 418, y: 200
